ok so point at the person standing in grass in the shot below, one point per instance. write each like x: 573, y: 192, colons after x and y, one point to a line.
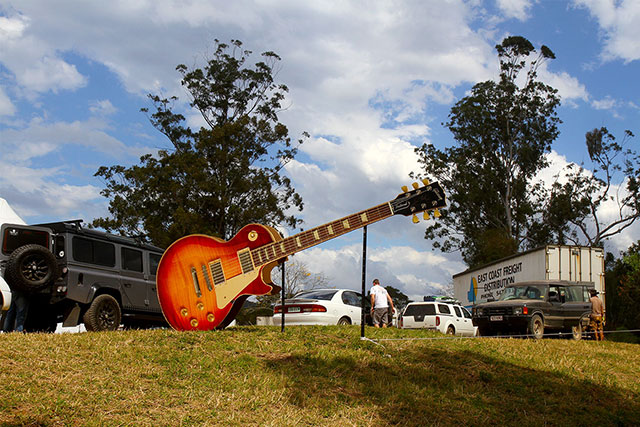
x: 380, y: 304
x: 596, y: 321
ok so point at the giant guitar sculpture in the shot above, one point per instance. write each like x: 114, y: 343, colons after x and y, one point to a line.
x: 203, y: 281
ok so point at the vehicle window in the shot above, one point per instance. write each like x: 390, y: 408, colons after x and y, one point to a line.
x: 522, y: 292
x: 444, y: 309
x: 457, y: 310
x: 131, y: 260
x: 574, y: 293
x: 562, y: 292
x: 466, y: 313
x: 322, y: 295
x: 16, y: 237
x: 154, y: 261
x: 350, y: 298
x: 420, y: 310
x: 585, y: 294
x: 554, y: 293
x: 93, y: 252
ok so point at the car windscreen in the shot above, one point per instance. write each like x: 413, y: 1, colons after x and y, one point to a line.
x: 532, y: 292
x: 321, y: 295
x: 420, y: 310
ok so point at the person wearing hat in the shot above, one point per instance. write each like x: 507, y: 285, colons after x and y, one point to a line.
x: 380, y: 303
x: 596, y: 323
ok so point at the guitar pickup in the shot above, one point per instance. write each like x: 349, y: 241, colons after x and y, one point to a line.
x: 215, y: 267
x: 246, y: 263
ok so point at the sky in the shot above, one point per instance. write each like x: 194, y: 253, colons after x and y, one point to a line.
x: 368, y: 80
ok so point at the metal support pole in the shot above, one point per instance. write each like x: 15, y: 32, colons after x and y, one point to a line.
x: 364, y: 280
x: 282, y: 311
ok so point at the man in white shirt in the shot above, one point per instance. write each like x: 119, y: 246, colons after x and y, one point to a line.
x: 380, y: 303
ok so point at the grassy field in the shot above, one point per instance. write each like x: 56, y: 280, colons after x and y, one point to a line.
x: 313, y: 376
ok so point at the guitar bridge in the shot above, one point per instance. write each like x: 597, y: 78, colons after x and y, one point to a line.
x: 196, y: 283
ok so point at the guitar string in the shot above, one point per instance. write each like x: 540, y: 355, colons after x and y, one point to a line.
x: 307, y: 239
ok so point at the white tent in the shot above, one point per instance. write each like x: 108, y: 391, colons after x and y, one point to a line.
x: 8, y: 215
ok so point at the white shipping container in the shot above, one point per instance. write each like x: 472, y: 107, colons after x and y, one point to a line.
x: 553, y: 262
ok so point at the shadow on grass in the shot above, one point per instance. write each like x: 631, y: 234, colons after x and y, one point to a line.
x: 427, y: 386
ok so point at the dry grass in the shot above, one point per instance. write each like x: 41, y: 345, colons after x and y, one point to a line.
x: 313, y: 376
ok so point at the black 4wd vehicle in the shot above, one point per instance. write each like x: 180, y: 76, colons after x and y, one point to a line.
x: 534, y: 307
x: 73, y: 275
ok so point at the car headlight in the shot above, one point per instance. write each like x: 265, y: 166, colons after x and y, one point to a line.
x: 521, y: 310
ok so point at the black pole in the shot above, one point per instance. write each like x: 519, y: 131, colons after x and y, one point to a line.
x: 282, y: 311
x: 364, y: 279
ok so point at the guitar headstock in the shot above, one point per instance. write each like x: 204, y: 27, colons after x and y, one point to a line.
x: 427, y: 198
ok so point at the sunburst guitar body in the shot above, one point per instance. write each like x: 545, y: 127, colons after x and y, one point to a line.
x: 202, y: 281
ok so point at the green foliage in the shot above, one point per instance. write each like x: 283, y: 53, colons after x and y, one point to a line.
x: 400, y: 300
x: 573, y: 210
x: 221, y: 177
x: 503, y: 131
x: 623, y: 290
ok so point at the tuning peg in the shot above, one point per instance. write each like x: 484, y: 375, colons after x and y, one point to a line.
x: 415, y: 185
x: 425, y: 181
x: 415, y: 219
x: 436, y: 213
x: 405, y: 188
x: 426, y: 216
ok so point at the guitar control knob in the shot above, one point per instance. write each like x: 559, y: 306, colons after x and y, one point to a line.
x: 194, y: 323
x: 184, y: 311
x: 211, y: 317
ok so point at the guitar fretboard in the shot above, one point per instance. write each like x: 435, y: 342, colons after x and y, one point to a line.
x: 306, y: 239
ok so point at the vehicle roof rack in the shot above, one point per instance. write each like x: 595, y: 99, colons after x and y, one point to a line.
x: 442, y: 298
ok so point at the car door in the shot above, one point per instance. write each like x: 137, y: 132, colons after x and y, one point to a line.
x: 134, y: 281
x: 466, y: 324
x: 555, y: 313
x: 352, y: 306
x: 574, y: 306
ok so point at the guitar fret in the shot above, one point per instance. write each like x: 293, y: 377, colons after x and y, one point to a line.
x: 303, y: 240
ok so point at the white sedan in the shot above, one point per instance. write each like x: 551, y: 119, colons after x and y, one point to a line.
x: 321, y: 307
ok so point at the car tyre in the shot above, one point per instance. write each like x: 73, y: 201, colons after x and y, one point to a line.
x: 451, y: 330
x: 344, y: 321
x: 104, y: 314
x: 536, y: 327
x: 31, y: 268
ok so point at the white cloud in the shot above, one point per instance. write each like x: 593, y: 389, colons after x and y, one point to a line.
x: 619, y: 22
x: 102, y: 108
x: 40, y: 138
x: 518, y: 9
x: 6, y: 106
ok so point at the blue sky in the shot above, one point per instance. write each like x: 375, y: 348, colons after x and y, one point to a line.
x: 369, y: 80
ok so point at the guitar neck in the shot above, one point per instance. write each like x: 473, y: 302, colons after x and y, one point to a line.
x: 301, y: 241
